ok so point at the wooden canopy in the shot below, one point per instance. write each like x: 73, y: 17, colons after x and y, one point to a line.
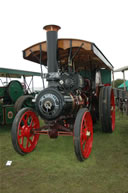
x: 88, y: 56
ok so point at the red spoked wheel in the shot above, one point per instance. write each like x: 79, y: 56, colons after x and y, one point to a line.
x: 23, y: 139
x: 107, y: 109
x: 83, y: 134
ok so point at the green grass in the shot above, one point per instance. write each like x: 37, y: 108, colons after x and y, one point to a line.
x: 53, y: 167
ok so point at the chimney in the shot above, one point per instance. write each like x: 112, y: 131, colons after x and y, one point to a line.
x: 52, y: 47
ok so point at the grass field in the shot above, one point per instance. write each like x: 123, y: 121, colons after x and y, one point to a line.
x: 53, y: 167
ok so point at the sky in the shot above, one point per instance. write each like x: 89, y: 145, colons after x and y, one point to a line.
x: 104, y: 22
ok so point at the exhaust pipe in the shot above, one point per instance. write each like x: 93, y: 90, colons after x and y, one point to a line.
x: 52, y: 52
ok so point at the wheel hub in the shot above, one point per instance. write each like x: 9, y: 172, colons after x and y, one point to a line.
x: 26, y: 131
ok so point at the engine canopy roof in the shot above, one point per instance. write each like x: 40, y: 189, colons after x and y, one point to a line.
x: 89, y: 55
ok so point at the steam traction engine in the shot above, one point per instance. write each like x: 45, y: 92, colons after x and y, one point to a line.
x: 79, y: 93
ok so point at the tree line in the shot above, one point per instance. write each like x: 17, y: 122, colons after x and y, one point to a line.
x: 118, y: 82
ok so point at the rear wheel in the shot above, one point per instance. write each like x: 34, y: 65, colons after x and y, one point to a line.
x: 83, y: 134
x: 125, y: 107
x: 107, y: 109
x: 23, y: 139
x: 15, y: 90
x: 24, y: 101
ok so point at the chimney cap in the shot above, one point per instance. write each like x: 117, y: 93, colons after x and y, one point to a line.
x: 51, y: 27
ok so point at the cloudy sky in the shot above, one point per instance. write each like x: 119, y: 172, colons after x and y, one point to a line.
x: 104, y: 22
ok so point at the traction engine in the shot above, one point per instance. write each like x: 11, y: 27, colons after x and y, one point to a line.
x: 69, y: 105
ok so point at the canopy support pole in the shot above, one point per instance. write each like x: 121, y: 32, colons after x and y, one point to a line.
x: 113, y: 84
x: 42, y: 76
x: 124, y: 80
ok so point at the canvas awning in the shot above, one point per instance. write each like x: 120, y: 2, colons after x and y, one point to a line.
x: 121, y: 69
x: 13, y: 73
x: 122, y: 85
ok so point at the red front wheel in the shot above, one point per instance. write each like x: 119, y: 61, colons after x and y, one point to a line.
x: 23, y: 139
x: 83, y: 134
